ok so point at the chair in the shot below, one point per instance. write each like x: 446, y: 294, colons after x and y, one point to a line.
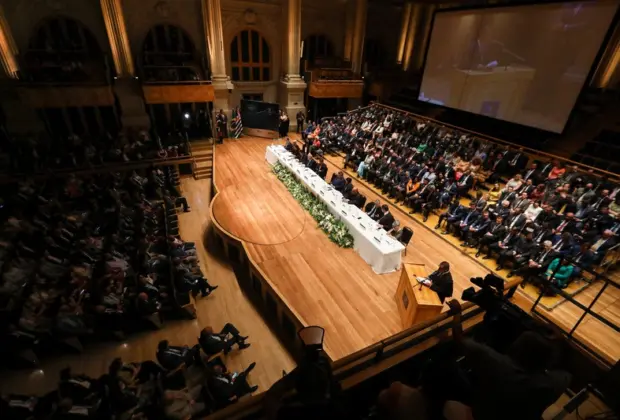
x: 406, y: 236
x: 363, y: 202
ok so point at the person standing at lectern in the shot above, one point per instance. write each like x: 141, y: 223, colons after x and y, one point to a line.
x: 221, y: 121
x: 440, y: 281
x: 300, y: 121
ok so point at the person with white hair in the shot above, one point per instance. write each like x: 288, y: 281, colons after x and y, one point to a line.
x: 537, y: 263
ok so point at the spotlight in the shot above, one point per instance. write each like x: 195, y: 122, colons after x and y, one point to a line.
x: 186, y: 115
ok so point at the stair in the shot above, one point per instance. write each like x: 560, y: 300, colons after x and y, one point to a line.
x: 202, y: 152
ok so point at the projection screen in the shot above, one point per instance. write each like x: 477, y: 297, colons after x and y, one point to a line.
x: 523, y: 64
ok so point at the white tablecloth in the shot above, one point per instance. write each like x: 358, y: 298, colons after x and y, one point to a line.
x: 372, y: 243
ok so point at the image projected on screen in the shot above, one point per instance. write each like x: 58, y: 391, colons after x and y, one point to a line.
x: 523, y: 64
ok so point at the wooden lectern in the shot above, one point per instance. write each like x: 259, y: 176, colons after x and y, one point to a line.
x: 415, y: 304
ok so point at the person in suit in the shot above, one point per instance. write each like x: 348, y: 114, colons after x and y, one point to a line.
x: 516, y: 220
x: 373, y: 210
x: 465, y: 183
x: 505, y: 243
x: 386, y: 219
x: 348, y: 186
x: 462, y: 226
x: 519, y: 254
x: 321, y: 168
x: 498, y: 168
x: 568, y: 224
x: 356, y: 198
x: 517, y: 161
x: 173, y: 357
x: 221, y: 121
x: 533, y: 174
x: 226, y: 387
x: 212, y: 343
x: 584, y: 259
x: 537, y: 264
x: 476, y: 230
x: 440, y: 281
x: 522, y: 202
x: 300, y: 121
x: 338, y: 181
x: 454, y: 212
x: 602, y: 244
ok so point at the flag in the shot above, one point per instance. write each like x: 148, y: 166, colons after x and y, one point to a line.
x: 236, y: 124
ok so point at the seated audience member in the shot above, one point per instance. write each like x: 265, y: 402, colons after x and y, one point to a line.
x: 338, y: 182
x: 559, y: 273
x: 387, y: 219
x: 519, y: 253
x: 173, y: 357
x: 226, y: 387
x: 602, y: 244
x: 537, y: 263
x: 374, y: 210
x: 584, y: 259
x: 212, y: 343
x: 183, y: 404
x: 476, y: 230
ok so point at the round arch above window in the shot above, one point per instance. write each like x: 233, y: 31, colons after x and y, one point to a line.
x: 317, y: 46
x: 63, y: 49
x: 250, y: 57
x: 168, y: 54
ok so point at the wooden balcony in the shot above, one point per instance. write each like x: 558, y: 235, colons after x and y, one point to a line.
x: 178, y: 92
x: 335, y: 83
x: 58, y: 96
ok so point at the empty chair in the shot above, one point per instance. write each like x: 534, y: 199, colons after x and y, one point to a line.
x: 406, y: 237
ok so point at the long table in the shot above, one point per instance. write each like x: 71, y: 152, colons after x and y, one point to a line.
x: 381, y: 251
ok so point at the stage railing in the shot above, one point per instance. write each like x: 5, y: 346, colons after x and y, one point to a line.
x: 359, y: 366
x: 510, y: 145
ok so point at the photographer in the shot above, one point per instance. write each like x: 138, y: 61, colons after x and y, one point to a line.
x: 516, y: 385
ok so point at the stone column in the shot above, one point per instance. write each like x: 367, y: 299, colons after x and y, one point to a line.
x: 214, y: 33
x: 8, y: 49
x: 127, y: 86
x: 359, y: 32
x: 412, y: 29
x: 293, y: 86
x: 404, y: 29
x: 349, y: 29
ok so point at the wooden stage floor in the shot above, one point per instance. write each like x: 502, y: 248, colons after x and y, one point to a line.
x: 320, y: 282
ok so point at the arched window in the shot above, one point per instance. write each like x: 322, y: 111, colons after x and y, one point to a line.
x: 250, y: 57
x: 168, y: 54
x: 63, y: 50
x: 317, y: 46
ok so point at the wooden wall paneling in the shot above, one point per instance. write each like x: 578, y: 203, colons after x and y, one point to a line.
x: 163, y: 94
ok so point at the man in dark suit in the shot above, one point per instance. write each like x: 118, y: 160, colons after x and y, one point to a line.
x: 172, y: 357
x: 476, y: 230
x: 226, y: 388
x: 213, y: 343
x: 321, y: 168
x: 440, y: 281
x: 568, y: 224
x: 462, y: 226
x: 338, y: 181
x: 517, y: 220
x: 505, y: 243
x: 537, y: 264
x: 387, y: 220
x: 495, y: 232
x: 373, y: 210
x: 498, y: 169
x: 356, y: 198
x: 533, y: 174
x: 464, y: 184
x: 584, y: 259
x: 602, y: 244
x: 517, y: 161
x: 519, y: 253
